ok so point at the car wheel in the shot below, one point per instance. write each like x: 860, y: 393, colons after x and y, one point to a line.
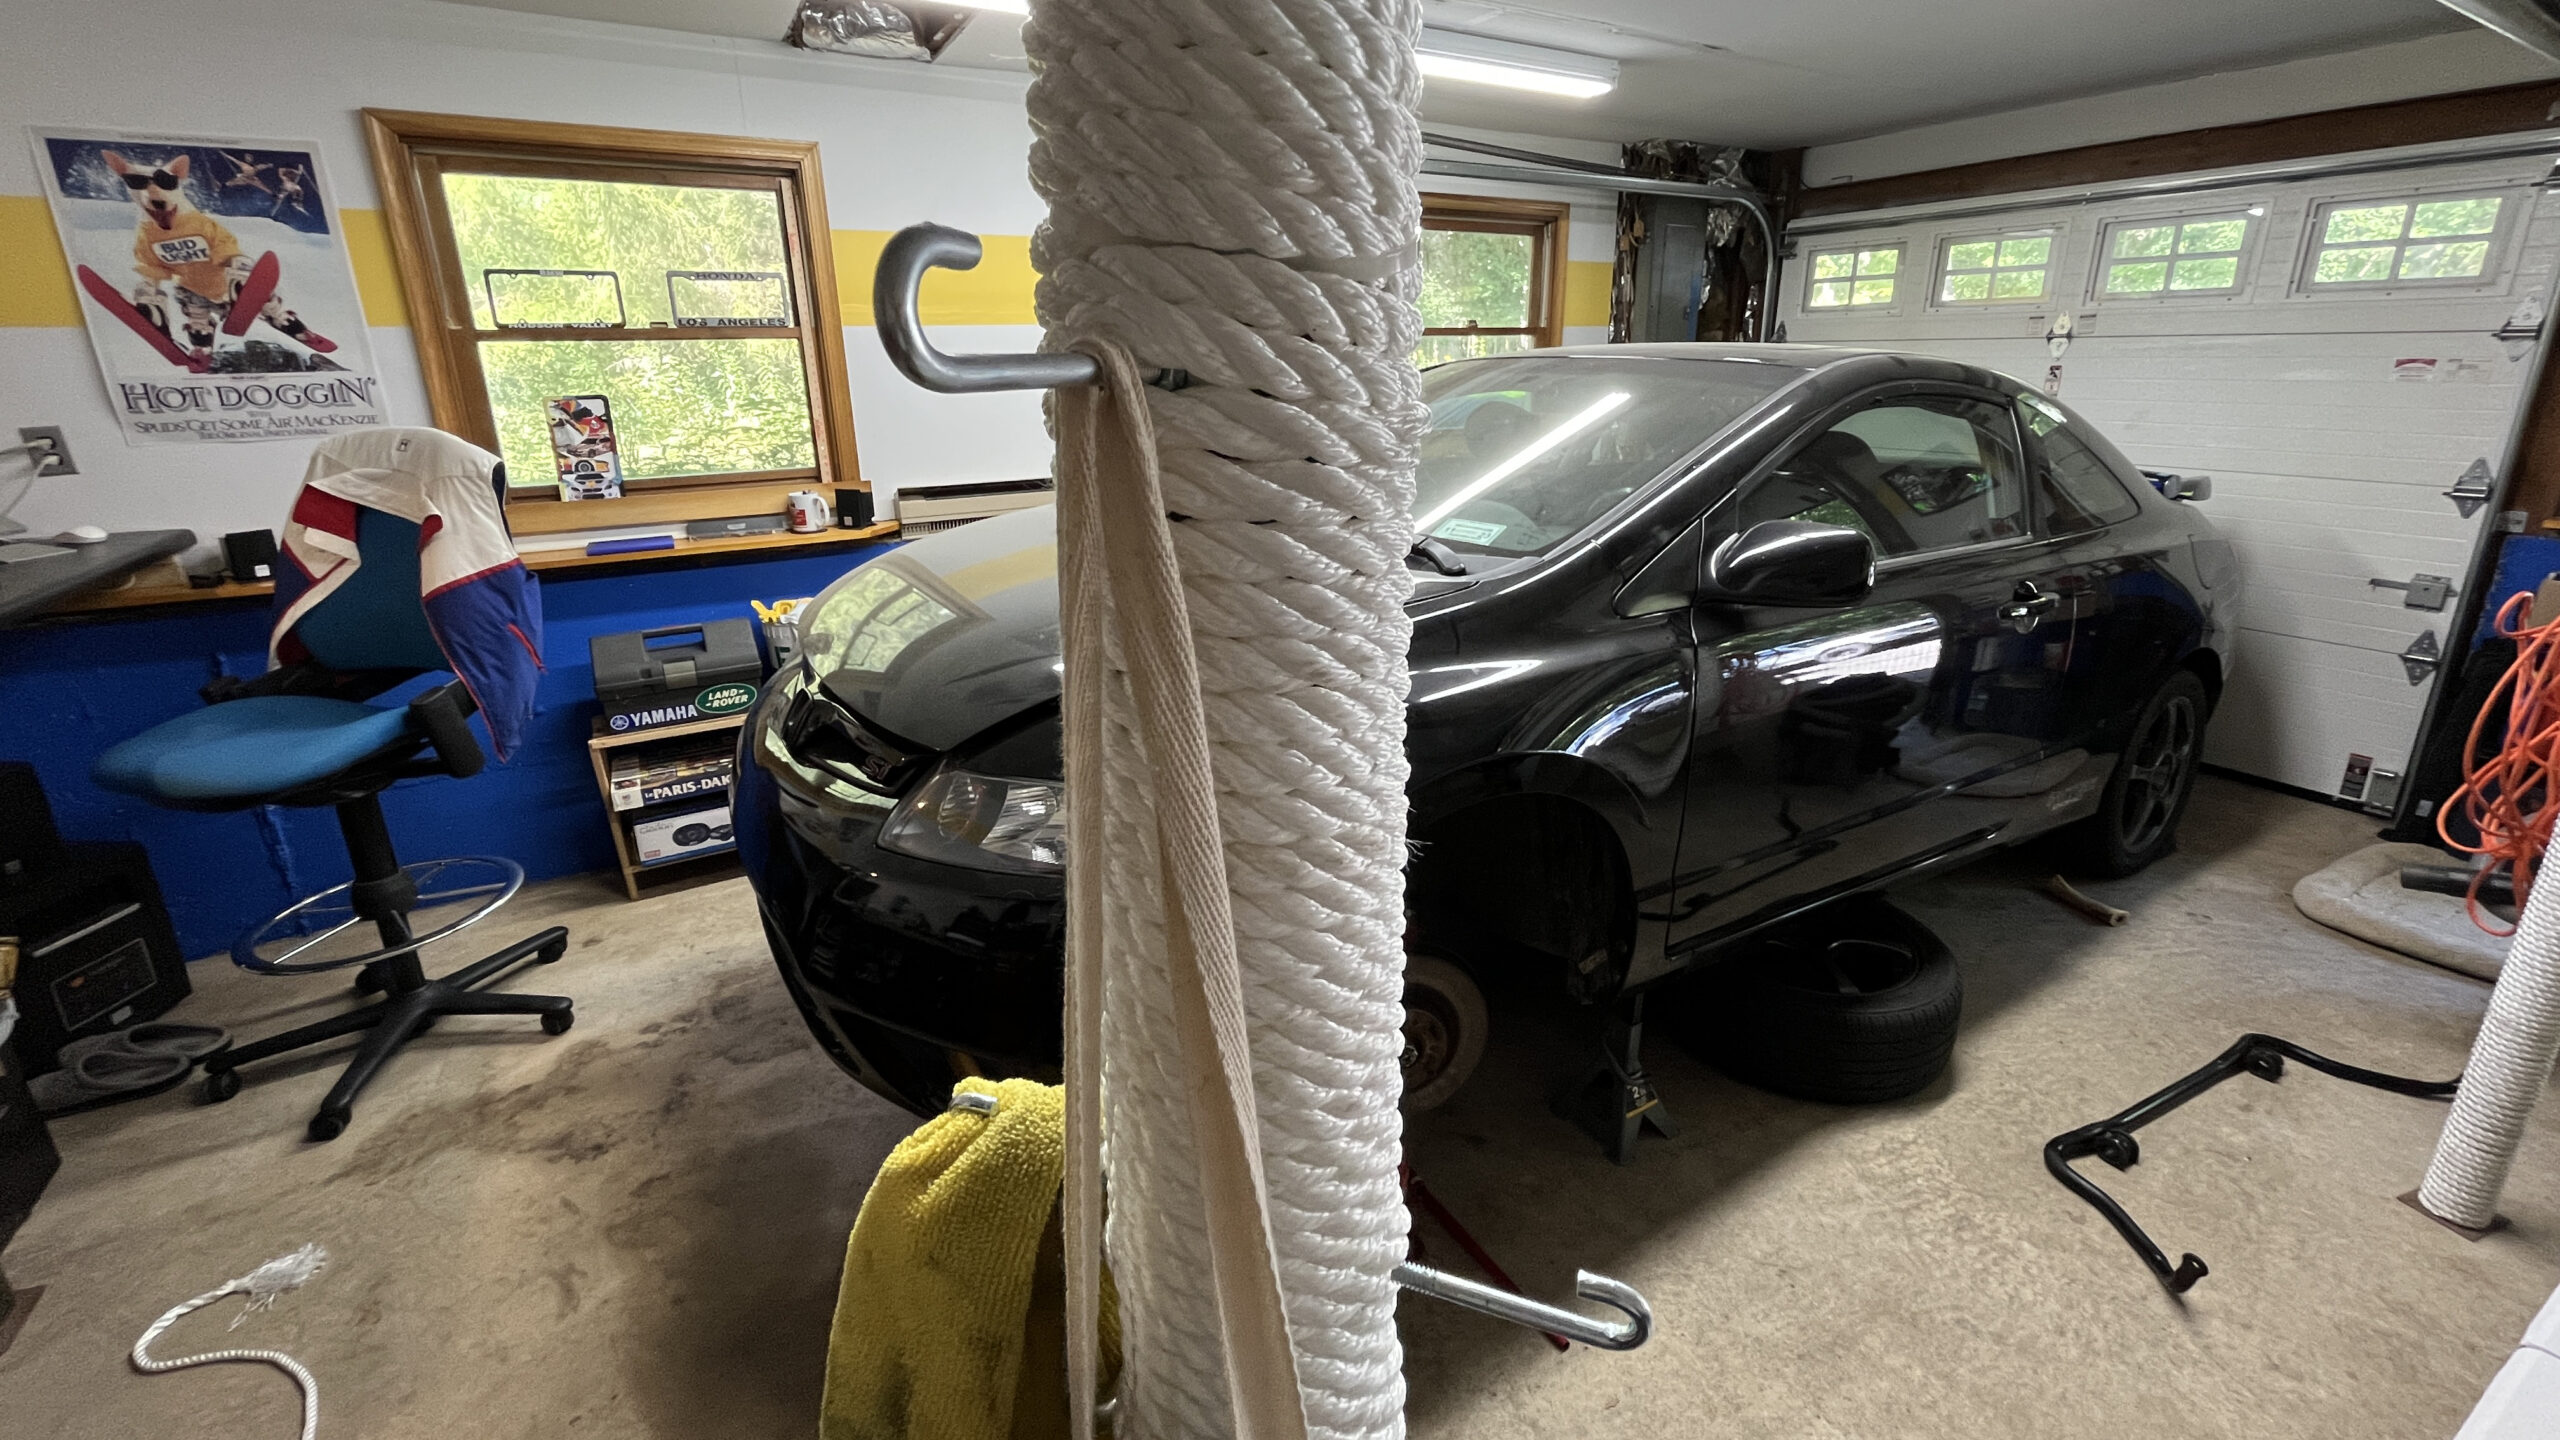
x: 1444, y: 1029
x: 2146, y: 797
x: 1855, y: 1004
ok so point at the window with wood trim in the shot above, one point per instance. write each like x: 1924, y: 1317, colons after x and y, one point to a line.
x: 1492, y: 276
x: 686, y: 280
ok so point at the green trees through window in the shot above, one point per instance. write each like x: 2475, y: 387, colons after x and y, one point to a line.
x: 543, y: 255
x: 1487, y: 273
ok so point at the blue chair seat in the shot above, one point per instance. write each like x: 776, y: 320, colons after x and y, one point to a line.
x: 248, y: 749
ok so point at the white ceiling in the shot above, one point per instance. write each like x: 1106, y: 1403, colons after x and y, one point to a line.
x: 1753, y: 72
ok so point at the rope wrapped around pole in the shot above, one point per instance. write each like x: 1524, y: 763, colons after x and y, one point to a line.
x: 1232, y: 194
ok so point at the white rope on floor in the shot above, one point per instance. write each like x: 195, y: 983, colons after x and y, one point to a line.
x: 2510, y: 1061
x: 1232, y: 194
x: 262, y: 1286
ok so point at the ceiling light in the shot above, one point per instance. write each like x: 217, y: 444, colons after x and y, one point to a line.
x: 1448, y: 55
x: 1001, y: 7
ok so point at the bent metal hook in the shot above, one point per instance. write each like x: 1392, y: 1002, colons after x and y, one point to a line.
x: 1618, y: 1295
x: 919, y: 248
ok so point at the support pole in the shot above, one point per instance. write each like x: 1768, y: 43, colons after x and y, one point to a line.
x: 1232, y: 196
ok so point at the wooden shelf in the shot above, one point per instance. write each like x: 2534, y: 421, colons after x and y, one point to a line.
x: 166, y: 584
x: 662, y: 875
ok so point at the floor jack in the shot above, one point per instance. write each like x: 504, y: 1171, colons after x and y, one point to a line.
x: 1613, y: 1101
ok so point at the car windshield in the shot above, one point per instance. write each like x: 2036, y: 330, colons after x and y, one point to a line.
x: 1525, y: 450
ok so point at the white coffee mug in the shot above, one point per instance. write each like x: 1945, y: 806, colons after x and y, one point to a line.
x: 810, y: 512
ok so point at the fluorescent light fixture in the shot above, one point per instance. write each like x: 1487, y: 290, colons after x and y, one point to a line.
x: 1448, y: 55
x: 1589, y: 416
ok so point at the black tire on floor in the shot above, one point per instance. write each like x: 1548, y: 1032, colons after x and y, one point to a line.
x: 2146, y: 797
x: 1855, y: 1004
x: 1444, y: 1029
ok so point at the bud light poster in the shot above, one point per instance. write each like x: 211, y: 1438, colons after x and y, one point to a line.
x: 215, y: 279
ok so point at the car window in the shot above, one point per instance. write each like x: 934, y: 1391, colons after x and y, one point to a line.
x: 1524, y: 451
x: 1913, y: 474
x: 2078, y: 489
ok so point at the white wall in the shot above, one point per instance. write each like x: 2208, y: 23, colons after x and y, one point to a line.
x: 2436, y: 65
x: 900, y: 143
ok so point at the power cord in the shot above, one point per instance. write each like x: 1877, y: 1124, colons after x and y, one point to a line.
x: 2508, y: 794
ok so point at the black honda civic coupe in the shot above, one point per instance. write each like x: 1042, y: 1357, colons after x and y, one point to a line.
x: 1705, y: 637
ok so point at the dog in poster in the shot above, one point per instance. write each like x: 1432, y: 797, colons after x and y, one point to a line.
x: 177, y: 246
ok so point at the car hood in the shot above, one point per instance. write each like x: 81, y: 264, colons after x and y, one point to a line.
x: 946, y: 636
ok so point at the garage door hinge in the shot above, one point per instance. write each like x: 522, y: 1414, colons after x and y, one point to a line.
x: 2421, y: 658
x: 2474, y: 488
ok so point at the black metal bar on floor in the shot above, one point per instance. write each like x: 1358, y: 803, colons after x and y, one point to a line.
x: 2112, y: 1139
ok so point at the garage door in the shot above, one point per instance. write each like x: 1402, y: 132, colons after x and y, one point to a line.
x: 2337, y: 354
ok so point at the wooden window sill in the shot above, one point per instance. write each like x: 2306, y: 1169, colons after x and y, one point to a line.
x: 165, y: 585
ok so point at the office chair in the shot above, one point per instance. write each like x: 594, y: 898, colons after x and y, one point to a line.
x: 301, y: 736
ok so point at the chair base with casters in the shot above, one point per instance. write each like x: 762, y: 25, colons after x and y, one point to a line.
x: 276, y: 748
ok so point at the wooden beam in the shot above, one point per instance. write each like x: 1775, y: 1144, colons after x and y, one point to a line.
x: 2504, y: 110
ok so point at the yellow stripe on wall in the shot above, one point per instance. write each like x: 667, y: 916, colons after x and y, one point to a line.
x: 39, y: 289
x: 996, y: 292
x: 1586, y: 291
x: 377, y: 274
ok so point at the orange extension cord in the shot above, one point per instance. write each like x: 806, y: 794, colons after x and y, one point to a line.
x: 2509, y: 795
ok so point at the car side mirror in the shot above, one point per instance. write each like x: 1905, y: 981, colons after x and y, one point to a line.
x: 1794, y: 562
x: 2180, y: 487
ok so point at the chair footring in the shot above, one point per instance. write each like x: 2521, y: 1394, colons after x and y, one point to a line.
x: 395, y: 1020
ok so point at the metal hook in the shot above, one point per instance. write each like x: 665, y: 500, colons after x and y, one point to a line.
x: 1624, y: 1334
x: 919, y: 248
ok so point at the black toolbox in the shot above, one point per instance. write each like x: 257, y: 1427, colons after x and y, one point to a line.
x: 676, y: 674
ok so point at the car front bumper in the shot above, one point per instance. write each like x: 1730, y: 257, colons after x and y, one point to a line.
x: 911, y: 974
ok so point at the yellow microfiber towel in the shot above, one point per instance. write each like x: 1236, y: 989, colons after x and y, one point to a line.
x: 950, y: 1323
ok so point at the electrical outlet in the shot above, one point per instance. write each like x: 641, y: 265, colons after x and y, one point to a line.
x: 50, y: 453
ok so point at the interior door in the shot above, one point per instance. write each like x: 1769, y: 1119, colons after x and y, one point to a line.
x: 1827, y: 740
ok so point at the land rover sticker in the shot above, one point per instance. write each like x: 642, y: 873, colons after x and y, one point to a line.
x: 725, y: 699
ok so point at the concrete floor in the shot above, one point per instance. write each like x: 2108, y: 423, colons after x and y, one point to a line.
x: 634, y: 1229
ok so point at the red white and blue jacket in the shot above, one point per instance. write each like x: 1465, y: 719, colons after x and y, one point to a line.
x: 483, y: 608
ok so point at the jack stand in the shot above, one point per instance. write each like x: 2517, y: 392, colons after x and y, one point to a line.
x: 1613, y: 1101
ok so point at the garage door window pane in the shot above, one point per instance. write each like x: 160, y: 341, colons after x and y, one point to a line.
x: 2205, y: 274
x: 2143, y: 278
x: 2445, y: 262
x: 2454, y: 217
x: 2146, y: 240
x: 680, y: 407
x: 2418, y: 241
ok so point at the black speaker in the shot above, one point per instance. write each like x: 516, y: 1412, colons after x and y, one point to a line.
x: 95, y: 949
x: 853, y: 508
x: 28, y: 841
x: 250, y: 555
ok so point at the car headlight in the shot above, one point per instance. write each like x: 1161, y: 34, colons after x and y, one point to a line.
x: 982, y: 822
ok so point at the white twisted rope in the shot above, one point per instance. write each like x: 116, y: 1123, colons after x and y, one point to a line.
x: 2510, y: 1060
x: 1231, y: 187
x: 262, y: 1286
